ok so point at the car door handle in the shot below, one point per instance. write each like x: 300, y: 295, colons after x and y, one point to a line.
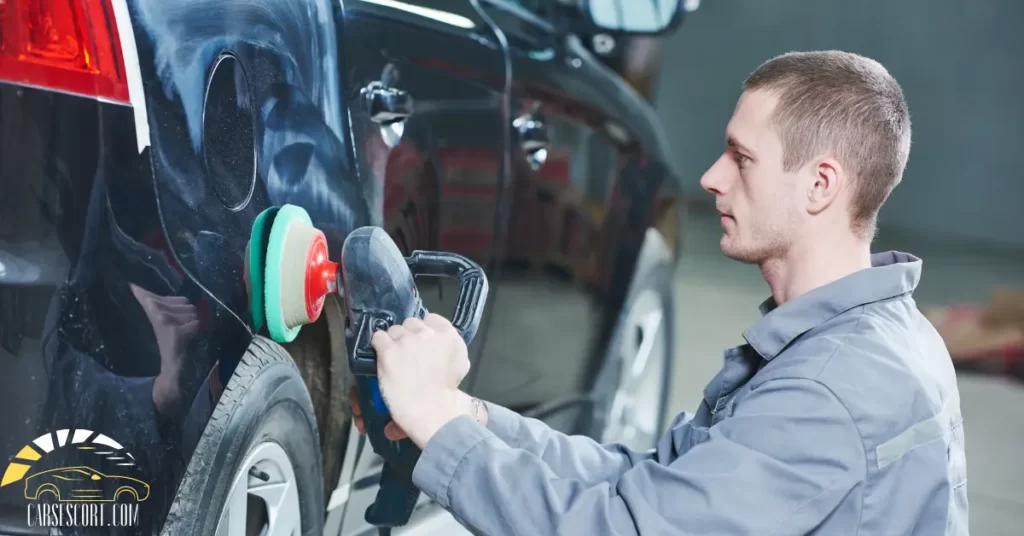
x: 532, y: 133
x: 386, y: 105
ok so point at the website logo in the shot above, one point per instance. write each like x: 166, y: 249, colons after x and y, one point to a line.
x: 90, y: 486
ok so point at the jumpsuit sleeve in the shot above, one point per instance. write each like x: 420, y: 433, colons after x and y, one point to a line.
x: 781, y: 463
x: 569, y: 456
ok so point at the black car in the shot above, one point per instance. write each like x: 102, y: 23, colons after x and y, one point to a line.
x: 139, y: 140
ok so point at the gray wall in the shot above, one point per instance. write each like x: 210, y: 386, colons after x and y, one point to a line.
x: 960, y: 64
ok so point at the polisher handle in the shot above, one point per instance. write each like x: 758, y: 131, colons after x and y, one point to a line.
x: 397, y: 496
x: 469, y: 308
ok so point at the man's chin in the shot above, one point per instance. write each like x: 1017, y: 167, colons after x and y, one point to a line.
x: 739, y: 254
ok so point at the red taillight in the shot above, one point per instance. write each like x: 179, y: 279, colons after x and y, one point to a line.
x: 64, y: 45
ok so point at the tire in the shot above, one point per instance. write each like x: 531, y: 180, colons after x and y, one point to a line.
x: 652, y: 291
x: 320, y: 355
x: 264, y: 405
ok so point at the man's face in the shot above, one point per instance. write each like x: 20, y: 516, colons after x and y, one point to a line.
x: 757, y: 201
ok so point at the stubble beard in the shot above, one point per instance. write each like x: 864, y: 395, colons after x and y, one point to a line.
x: 758, y: 249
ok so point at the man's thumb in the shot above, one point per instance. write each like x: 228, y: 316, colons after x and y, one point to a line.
x: 393, y: 432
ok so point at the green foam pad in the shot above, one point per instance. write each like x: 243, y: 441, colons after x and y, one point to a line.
x: 286, y: 216
x: 257, y: 258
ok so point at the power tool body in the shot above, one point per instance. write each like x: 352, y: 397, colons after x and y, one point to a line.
x: 289, y: 273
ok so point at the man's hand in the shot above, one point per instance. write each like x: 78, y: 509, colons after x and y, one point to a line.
x: 176, y: 324
x: 471, y: 406
x: 420, y: 365
x: 391, y: 431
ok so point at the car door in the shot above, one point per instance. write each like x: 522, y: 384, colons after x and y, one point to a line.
x: 426, y: 85
x: 587, y: 181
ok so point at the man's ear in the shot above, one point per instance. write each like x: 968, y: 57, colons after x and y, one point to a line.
x: 827, y: 181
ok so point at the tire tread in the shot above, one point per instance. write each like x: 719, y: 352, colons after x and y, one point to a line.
x: 261, y: 354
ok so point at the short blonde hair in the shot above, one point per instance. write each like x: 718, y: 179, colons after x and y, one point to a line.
x: 847, y: 104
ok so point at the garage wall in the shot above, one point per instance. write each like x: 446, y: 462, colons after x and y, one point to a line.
x: 959, y: 66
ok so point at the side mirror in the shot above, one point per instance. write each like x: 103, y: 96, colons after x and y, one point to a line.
x: 646, y: 17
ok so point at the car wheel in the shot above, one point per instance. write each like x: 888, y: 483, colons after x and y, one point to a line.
x: 257, y: 468
x: 632, y: 390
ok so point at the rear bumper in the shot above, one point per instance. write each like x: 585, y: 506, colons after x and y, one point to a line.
x: 79, y: 227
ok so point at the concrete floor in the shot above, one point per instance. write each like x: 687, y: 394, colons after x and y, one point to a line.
x: 718, y: 298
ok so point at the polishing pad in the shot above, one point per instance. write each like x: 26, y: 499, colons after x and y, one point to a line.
x: 256, y: 258
x: 292, y: 244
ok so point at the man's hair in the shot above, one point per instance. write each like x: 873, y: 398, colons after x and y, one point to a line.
x: 846, y: 104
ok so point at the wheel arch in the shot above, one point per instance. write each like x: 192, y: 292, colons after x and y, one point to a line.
x: 320, y: 354
x: 654, y: 271
x: 266, y: 400
x: 126, y: 489
x: 44, y: 488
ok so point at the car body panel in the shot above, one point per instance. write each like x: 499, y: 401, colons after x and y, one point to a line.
x: 107, y: 224
x: 577, y: 221
x: 443, y: 178
x: 79, y: 237
x: 442, y: 183
x: 296, y: 149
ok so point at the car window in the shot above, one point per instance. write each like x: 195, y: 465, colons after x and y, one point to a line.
x: 73, y: 474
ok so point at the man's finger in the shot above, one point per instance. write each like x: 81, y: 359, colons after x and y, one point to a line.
x: 179, y: 318
x: 140, y: 293
x: 396, y: 331
x: 393, y: 432
x: 353, y: 400
x: 381, y: 341
x: 413, y: 324
x: 439, y: 323
x: 188, y: 331
x: 174, y: 304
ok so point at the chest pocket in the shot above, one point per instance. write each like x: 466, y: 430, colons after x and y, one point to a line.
x: 724, y: 407
x: 693, y: 432
x: 688, y: 436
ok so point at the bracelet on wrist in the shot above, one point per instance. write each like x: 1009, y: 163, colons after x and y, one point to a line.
x: 478, y: 410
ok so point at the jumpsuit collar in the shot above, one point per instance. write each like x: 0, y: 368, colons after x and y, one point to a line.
x: 891, y: 274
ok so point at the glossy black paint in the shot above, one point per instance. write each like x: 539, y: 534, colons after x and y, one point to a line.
x: 577, y: 222
x: 108, y: 254
x: 287, y: 58
x: 440, y: 186
x: 85, y: 332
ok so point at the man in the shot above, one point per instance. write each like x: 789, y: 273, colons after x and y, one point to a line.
x: 840, y: 414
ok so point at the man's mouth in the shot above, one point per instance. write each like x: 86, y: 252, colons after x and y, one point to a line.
x: 726, y: 221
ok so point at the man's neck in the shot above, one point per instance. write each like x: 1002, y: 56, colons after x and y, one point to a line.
x: 808, y: 266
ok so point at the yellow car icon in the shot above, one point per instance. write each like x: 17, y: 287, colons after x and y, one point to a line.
x: 83, y: 484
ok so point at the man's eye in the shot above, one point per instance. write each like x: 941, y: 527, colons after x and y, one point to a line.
x: 740, y: 158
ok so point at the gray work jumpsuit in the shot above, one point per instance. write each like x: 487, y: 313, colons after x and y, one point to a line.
x: 840, y: 415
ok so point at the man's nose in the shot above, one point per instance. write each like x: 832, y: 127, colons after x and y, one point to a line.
x: 715, y: 179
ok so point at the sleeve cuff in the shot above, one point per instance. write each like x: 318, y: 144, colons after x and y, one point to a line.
x: 444, y: 452
x: 504, y: 423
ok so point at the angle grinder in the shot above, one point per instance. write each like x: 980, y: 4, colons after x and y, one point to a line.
x: 289, y: 273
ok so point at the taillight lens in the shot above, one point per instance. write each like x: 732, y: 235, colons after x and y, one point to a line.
x: 64, y: 45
